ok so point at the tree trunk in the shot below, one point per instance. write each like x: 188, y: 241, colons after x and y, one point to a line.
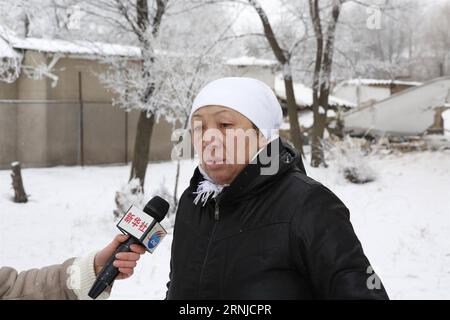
x: 19, y: 192
x: 322, y: 77
x: 142, y: 147
x: 284, y: 61
x: 295, y: 132
x: 317, y: 155
x: 145, y: 124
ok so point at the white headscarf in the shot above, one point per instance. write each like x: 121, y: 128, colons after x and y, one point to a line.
x: 253, y: 99
x: 250, y: 97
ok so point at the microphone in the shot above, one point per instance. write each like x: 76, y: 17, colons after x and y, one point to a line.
x: 143, y: 228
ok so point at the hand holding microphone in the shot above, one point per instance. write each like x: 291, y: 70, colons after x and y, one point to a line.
x: 125, y: 261
x: 143, y: 228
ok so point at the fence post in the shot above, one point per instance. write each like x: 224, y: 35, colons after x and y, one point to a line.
x: 81, y: 123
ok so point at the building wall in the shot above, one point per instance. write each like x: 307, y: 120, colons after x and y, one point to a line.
x: 32, y: 118
x: 265, y: 74
x: 44, y: 128
x: 366, y: 93
x: 410, y: 112
x: 8, y: 123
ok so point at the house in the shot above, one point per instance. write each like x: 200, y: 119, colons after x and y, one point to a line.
x: 363, y: 91
x: 304, y: 96
x: 414, y: 111
x: 245, y: 66
x: 304, y: 101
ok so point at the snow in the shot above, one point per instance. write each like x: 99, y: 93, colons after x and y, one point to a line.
x: 6, y: 51
x: 70, y: 213
x: 304, y: 94
x: 250, y: 61
x: 446, y: 117
x: 378, y: 82
x: 77, y: 47
x: 322, y: 110
x: 305, y: 119
x: 9, y: 41
x: 402, y: 220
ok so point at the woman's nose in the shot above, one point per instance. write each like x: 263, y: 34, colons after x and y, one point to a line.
x: 214, y: 140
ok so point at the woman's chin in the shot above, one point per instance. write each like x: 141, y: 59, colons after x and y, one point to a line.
x: 215, y: 166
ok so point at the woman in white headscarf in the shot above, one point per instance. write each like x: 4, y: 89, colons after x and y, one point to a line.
x: 251, y: 224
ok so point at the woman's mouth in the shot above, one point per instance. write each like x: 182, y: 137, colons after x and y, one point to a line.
x: 214, y: 163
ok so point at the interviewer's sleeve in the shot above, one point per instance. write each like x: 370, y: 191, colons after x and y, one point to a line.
x: 325, y: 246
x: 45, y: 283
x: 68, y: 281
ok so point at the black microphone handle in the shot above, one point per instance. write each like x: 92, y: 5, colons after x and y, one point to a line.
x: 109, y: 272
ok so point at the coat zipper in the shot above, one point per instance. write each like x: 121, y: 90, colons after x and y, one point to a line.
x: 216, y: 219
x: 216, y: 211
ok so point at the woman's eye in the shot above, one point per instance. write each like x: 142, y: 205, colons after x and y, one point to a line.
x: 225, y: 125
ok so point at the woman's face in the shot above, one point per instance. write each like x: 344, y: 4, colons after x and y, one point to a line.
x: 225, y: 141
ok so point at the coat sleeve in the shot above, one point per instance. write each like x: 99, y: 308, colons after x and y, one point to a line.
x: 70, y: 280
x: 327, y: 249
x: 45, y: 283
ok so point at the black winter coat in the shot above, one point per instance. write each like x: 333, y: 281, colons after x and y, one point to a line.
x: 282, y: 236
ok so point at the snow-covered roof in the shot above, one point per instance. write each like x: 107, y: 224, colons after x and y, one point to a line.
x: 304, y: 94
x: 10, y: 41
x: 408, y: 112
x: 77, y: 47
x: 250, y: 61
x: 378, y: 82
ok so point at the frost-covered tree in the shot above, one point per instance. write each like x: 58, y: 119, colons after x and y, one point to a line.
x: 283, y: 56
x: 169, y: 34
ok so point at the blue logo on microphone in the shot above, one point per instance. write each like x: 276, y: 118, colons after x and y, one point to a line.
x: 155, y: 239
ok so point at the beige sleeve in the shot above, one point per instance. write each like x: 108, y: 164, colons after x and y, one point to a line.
x: 82, y: 277
x: 68, y: 281
x: 45, y: 283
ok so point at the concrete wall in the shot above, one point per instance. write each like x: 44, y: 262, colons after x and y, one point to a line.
x: 46, y: 131
x: 8, y: 121
x: 62, y: 134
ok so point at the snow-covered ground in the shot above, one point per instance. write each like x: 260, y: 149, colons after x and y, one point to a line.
x: 402, y: 220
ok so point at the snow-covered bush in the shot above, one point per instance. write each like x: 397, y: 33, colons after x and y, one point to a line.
x: 350, y: 156
x: 128, y: 195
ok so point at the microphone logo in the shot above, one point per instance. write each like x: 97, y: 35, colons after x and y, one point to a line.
x: 155, y: 239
